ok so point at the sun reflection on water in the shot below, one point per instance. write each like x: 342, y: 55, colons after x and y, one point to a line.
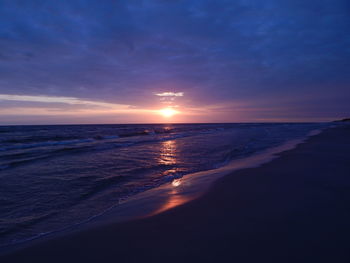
x: 176, y: 182
x: 175, y: 197
x: 168, y: 153
x: 168, y: 156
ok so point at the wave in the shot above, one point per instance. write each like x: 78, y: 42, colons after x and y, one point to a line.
x: 23, y: 140
x: 42, y: 141
x: 101, y: 184
x: 21, y: 223
x: 43, y: 144
x: 27, y: 153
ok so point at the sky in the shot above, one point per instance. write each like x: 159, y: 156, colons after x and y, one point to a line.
x: 90, y: 61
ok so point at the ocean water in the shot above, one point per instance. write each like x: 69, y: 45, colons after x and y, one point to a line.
x: 52, y: 177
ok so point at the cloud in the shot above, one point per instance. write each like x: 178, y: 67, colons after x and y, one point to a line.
x: 170, y: 94
x: 64, y: 100
x: 126, y: 52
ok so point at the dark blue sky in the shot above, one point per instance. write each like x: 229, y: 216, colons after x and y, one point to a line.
x: 244, y: 60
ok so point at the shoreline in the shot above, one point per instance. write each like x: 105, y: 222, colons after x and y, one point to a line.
x: 55, y: 245
x: 164, y: 197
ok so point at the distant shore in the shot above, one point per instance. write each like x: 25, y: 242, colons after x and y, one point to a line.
x: 293, y: 209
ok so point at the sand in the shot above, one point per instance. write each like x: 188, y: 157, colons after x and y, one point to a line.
x: 295, y: 208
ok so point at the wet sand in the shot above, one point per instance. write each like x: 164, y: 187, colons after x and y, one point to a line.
x: 293, y: 209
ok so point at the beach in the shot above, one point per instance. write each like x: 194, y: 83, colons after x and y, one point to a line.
x: 292, y: 209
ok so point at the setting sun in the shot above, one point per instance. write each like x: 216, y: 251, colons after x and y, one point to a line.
x: 168, y: 112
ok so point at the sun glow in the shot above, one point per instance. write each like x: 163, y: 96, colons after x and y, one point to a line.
x: 168, y: 112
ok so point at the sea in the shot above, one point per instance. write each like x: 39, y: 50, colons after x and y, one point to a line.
x: 56, y: 176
